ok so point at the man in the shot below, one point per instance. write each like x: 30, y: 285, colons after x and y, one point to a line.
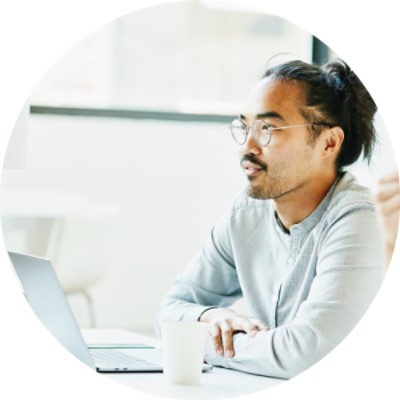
x: 300, y: 243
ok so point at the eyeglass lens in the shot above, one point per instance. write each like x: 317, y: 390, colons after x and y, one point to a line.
x: 259, y: 130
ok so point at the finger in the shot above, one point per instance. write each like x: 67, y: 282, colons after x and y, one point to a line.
x: 386, y: 192
x: 258, y: 326
x: 244, y: 324
x: 216, y: 337
x: 227, y: 339
x: 391, y: 205
x: 393, y: 177
x: 252, y: 326
x: 261, y: 325
x: 387, y: 187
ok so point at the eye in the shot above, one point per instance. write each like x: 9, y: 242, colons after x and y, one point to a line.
x: 267, y: 127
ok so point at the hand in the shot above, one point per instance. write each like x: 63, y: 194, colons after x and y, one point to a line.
x: 224, y: 323
x: 388, y: 205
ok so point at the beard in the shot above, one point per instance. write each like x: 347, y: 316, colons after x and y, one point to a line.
x: 262, y: 190
x: 269, y: 186
x: 271, y: 189
x: 272, y: 183
x: 253, y: 190
x: 258, y: 193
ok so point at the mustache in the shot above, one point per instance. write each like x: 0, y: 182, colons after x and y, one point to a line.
x: 254, y: 160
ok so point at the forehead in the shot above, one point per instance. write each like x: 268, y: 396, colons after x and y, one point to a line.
x: 282, y: 98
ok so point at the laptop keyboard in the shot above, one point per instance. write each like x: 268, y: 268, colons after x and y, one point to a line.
x: 114, y: 358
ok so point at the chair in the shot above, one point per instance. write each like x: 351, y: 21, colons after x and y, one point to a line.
x: 80, y: 248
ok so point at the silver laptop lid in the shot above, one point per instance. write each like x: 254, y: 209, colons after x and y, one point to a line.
x: 46, y: 297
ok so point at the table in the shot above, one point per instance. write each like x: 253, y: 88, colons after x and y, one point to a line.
x: 216, y: 384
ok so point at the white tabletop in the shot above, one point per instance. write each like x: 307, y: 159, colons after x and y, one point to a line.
x: 216, y: 384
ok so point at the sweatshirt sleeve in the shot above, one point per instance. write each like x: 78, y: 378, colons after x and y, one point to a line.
x: 209, y: 281
x: 348, y: 275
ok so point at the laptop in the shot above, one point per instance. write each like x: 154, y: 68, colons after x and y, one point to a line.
x: 47, y: 299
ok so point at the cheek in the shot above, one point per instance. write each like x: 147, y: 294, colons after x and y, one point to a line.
x: 281, y: 160
x: 289, y: 167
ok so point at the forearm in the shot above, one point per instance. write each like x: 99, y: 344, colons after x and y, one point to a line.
x: 178, y: 311
x: 187, y: 300
x: 279, y: 353
x: 338, y: 299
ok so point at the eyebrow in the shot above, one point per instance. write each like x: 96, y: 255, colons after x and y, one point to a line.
x: 267, y: 114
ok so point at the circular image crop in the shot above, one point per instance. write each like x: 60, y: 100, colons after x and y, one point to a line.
x: 200, y: 164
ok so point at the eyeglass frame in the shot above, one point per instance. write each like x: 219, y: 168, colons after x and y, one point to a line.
x: 269, y: 129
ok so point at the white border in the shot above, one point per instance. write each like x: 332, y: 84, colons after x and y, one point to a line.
x: 33, y: 34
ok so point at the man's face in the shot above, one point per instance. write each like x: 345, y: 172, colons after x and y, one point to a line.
x: 291, y: 160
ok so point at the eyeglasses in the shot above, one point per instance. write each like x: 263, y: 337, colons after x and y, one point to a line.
x: 261, y: 131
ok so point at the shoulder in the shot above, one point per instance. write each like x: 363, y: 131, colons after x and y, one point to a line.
x: 350, y: 199
x: 349, y: 192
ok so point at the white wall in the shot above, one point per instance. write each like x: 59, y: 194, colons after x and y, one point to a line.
x: 169, y: 182
x: 156, y: 187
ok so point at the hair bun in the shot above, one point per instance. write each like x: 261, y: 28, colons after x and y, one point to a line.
x: 338, y: 75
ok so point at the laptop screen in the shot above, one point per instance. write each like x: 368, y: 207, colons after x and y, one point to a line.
x: 46, y: 297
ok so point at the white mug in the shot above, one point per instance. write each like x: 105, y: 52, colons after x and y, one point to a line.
x: 183, y: 345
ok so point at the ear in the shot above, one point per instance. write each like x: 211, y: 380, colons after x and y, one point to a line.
x: 333, y: 139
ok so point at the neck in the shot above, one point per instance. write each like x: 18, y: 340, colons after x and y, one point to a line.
x: 297, y: 205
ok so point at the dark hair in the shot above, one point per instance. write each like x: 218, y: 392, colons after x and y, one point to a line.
x: 335, y: 95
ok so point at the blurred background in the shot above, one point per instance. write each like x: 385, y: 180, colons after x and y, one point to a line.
x: 121, y: 160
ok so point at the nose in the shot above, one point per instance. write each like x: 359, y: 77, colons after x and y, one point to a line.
x: 250, y: 145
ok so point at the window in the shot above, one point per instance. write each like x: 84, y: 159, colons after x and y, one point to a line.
x: 180, y: 57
